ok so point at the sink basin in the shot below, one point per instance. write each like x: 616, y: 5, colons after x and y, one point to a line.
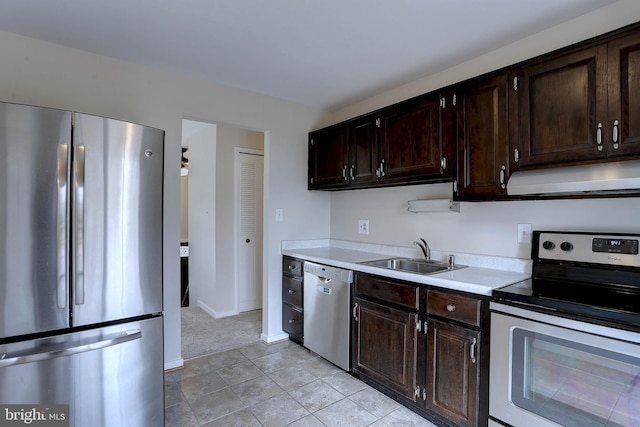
x: 420, y: 266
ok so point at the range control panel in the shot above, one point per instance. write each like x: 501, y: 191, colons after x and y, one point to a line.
x: 597, y: 248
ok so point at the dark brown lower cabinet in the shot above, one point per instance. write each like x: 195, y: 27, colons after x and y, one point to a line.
x: 452, y: 372
x: 424, y: 346
x: 385, y: 345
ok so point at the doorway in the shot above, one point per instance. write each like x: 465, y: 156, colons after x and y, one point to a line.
x: 207, y: 323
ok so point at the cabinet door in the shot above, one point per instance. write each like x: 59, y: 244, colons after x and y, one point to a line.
x: 482, y: 138
x: 363, y: 151
x: 384, y: 345
x: 623, y: 128
x: 562, y: 104
x: 453, y: 372
x: 328, y: 158
x: 410, y: 145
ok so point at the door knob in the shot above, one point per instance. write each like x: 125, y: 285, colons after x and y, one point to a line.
x: 248, y: 240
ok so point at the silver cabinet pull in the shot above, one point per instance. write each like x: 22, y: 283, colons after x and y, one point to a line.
x: 79, y: 171
x: 65, y: 352
x: 451, y: 307
x: 424, y: 394
x: 382, y: 168
x: 443, y: 163
x: 616, y: 134
x: 292, y: 291
x: 62, y: 293
x: 599, y: 136
x: 355, y: 312
x: 418, y: 324
x: 344, y: 173
x: 352, y: 173
x: 416, y: 391
x: 292, y: 320
x: 503, y: 170
x: 516, y: 155
x: 472, y: 350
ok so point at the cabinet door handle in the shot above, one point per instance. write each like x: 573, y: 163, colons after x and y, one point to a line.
x: 382, y: 168
x: 443, y: 163
x: 616, y: 134
x: 472, y: 350
x: 451, y: 307
x: 292, y: 267
x: 344, y: 173
x: 416, y: 391
x: 424, y: 394
x: 292, y: 320
x: 352, y: 172
x: 355, y: 312
x: 503, y: 170
x: 599, y: 136
x: 516, y: 155
x: 292, y: 291
x: 418, y: 324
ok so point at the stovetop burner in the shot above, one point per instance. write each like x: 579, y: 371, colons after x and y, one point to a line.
x: 591, y: 275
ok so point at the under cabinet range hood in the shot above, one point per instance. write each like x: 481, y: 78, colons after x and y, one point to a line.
x: 611, y: 177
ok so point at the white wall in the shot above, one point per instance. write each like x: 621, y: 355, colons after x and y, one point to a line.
x: 488, y: 227
x: 184, y: 208
x: 39, y: 73
x: 202, y: 208
x: 480, y: 227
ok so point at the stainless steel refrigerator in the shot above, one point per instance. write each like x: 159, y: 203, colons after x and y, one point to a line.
x: 81, y: 266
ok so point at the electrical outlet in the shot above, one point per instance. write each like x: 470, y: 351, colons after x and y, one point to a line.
x: 363, y: 226
x: 524, y: 233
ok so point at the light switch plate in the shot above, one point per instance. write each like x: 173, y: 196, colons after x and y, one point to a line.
x: 279, y: 215
x: 524, y: 233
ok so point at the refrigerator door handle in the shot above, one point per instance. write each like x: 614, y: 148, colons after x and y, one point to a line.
x: 78, y: 227
x: 62, y: 292
x: 46, y: 355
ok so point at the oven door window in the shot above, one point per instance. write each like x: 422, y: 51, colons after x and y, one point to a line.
x: 574, y: 384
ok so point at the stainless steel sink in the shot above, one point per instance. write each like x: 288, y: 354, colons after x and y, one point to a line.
x: 412, y: 265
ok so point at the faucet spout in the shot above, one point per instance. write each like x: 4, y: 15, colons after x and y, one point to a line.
x: 425, y: 248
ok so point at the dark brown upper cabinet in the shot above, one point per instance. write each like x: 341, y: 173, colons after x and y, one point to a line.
x: 482, y: 132
x: 412, y: 143
x: 328, y: 158
x: 624, y: 95
x: 407, y: 143
x: 580, y: 107
x: 363, y: 151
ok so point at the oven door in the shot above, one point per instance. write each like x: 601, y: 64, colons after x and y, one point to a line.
x: 549, y: 371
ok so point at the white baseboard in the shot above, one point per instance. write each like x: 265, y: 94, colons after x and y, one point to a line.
x: 270, y: 339
x: 211, y: 312
x: 173, y: 364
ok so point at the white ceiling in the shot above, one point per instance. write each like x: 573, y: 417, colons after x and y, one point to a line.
x: 322, y: 53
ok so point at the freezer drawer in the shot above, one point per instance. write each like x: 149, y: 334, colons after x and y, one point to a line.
x: 111, y: 376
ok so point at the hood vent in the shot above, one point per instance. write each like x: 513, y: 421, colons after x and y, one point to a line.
x: 611, y: 177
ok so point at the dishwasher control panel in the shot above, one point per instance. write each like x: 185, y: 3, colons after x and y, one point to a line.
x: 327, y: 272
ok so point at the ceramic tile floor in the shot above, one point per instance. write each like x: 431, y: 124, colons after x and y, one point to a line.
x: 275, y: 385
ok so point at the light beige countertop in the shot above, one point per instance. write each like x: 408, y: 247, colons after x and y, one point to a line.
x: 482, y: 274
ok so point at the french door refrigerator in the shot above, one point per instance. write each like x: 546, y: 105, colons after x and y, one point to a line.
x: 81, y: 266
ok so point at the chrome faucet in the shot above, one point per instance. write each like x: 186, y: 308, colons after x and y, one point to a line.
x: 425, y: 248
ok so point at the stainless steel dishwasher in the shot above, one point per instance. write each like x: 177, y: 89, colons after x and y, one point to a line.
x: 327, y: 295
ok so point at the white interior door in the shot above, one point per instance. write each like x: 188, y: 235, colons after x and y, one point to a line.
x: 249, y: 166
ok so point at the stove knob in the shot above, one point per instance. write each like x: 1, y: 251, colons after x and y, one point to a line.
x: 548, y: 245
x: 566, y: 246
